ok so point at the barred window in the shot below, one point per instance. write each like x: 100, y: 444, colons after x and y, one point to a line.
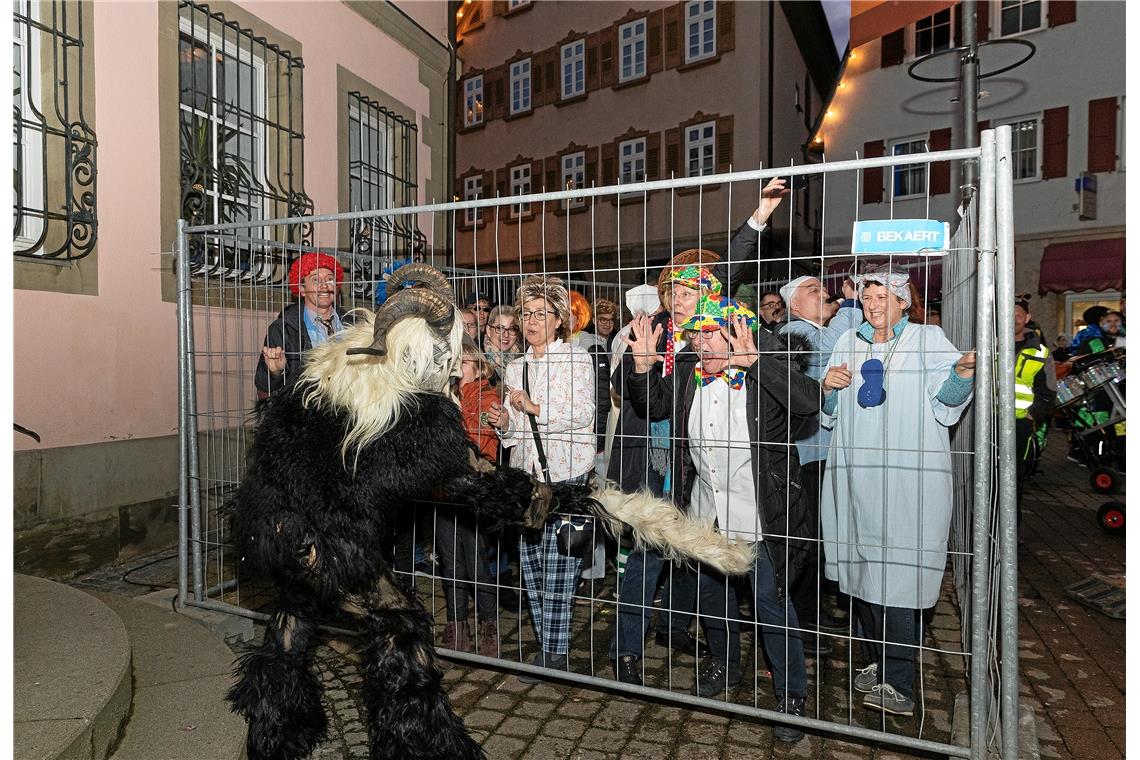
x: 241, y: 159
x: 53, y: 148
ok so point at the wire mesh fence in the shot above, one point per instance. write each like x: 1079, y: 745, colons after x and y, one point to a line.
x: 849, y: 594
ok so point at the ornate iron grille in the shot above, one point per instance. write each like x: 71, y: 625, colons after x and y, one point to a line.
x: 53, y: 146
x: 381, y: 174
x: 240, y: 112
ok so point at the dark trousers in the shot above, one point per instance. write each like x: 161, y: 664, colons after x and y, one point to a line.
x: 894, y: 636
x: 773, y: 613
x: 805, y: 594
x: 636, y: 590
x: 463, y: 559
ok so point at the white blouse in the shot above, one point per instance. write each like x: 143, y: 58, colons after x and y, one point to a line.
x: 562, y: 383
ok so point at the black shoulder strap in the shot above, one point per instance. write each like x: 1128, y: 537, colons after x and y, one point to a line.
x: 534, y: 426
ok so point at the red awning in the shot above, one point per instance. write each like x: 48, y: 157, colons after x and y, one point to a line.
x: 1083, y: 265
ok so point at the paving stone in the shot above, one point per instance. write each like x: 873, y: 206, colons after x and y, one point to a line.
x: 565, y: 728
x: 600, y: 738
x: 550, y: 749
x: 499, y: 747
x: 519, y: 726
x: 483, y: 718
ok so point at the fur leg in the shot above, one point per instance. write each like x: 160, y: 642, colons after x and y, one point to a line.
x: 409, y: 716
x: 278, y: 693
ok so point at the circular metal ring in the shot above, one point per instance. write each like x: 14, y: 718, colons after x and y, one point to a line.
x: 962, y: 49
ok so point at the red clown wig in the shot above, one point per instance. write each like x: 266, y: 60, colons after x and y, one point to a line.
x: 306, y: 263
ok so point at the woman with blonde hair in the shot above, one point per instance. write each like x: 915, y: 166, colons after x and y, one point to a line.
x: 550, y: 403
x: 502, y: 342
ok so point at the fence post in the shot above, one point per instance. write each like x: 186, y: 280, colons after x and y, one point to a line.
x: 980, y: 693
x: 182, y: 274
x: 1007, y: 459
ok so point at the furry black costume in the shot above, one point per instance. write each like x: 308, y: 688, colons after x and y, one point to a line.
x: 335, y: 460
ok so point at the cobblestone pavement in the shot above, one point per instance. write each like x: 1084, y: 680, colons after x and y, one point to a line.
x: 1071, y: 666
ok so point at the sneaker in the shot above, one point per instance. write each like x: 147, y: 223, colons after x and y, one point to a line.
x: 883, y: 697
x: 544, y: 660
x: 714, y: 678
x: 790, y: 706
x: 682, y: 642
x: 867, y: 678
x: 626, y: 670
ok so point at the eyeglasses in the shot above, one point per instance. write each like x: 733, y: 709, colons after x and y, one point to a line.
x: 507, y: 330
x: 480, y: 308
x: 538, y: 315
x: 467, y: 324
x: 771, y: 305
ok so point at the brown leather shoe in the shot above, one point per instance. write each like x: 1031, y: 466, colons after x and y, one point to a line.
x: 457, y: 636
x: 488, y: 642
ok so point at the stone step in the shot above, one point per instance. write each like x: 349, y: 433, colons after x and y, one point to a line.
x: 71, y: 672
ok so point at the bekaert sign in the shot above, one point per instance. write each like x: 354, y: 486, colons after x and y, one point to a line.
x: 915, y: 236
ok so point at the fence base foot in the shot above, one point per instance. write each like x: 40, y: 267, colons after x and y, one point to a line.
x: 1029, y: 746
x: 230, y: 628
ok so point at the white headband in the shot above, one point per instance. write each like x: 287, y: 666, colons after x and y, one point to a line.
x: 896, y: 282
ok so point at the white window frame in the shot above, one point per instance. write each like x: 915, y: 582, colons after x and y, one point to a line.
x: 573, y: 176
x: 516, y: 4
x: 1013, y: 122
x: 31, y: 140
x: 912, y: 42
x: 628, y: 164
x: 705, y: 16
x: 573, y: 58
x: 995, y: 25
x: 520, y: 86
x: 918, y: 170
x: 473, y: 191
x: 520, y: 185
x: 257, y: 99
x: 705, y: 144
x: 385, y: 163
x: 473, y: 100
x: 629, y: 44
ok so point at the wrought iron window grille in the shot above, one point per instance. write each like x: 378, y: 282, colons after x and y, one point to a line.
x: 54, y: 201
x: 241, y: 111
x: 381, y: 175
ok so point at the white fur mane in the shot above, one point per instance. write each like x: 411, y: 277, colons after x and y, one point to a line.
x: 375, y: 390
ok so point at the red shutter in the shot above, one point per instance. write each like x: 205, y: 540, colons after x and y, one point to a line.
x: 609, y: 170
x: 723, y: 143
x: 1056, y: 143
x: 892, y: 49
x: 673, y: 153
x: 672, y: 18
x: 873, y: 178
x: 1062, y: 12
x: 940, y: 170
x: 1102, y: 135
x: 653, y: 156
x: 725, y: 26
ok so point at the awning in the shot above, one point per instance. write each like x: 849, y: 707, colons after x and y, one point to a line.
x: 871, y: 19
x: 1083, y: 265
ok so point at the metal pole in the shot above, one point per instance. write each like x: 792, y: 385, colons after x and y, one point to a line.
x: 968, y: 93
x: 182, y: 273
x: 980, y: 694
x: 1007, y: 464
x: 194, y: 479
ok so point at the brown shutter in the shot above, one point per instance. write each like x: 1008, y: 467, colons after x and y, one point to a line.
x: 535, y: 82
x: 536, y: 178
x: 1062, y: 12
x: 488, y: 190
x: 723, y: 142
x: 592, y: 167
x: 1056, y: 143
x: 725, y: 26
x: 1102, y: 135
x: 673, y: 153
x: 500, y: 97
x: 873, y: 178
x: 940, y: 170
x: 553, y: 180
x: 653, y: 156
x: 892, y: 49
x: 499, y: 7
x: 609, y: 170
x: 983, y: 20
x: 654, y: 59
x: 593, y: 44
x: 553, y: 80
x: 609, y: 57
x: 502, y: 188
x: 671, y: 15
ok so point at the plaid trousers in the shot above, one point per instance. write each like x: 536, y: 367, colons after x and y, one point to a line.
x: 550, y: 580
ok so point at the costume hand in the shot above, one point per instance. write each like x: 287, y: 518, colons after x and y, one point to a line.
x: 741, y: 343
x: 274, y: 359
x: 836, y: 378
x: 770, y: 198
x: 642, y: 341
x: 965, y: 366
x: 520, y: 400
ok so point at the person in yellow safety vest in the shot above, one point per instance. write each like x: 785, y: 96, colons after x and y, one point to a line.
x: 1035, y: 391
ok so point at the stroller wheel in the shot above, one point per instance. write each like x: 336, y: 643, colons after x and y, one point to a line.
x: 1110, y: 517
x: 1105, y: 480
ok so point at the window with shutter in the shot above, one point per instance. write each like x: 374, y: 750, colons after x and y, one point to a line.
x: 700, y: 30
x: 724, y: 139
x: 1025, y: 147
x: 908, y: 180
x: 726, y: 26
x: 700, y: 149
x: 1055, y: 144
x: 1018, y: 17
x: 940, y: 171
x: 1102, y: 135
x: 892, y: 49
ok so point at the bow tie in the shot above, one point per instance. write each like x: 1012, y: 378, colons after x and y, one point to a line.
x: 734, y: 376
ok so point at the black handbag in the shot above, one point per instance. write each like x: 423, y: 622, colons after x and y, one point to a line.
x: 575, y: 534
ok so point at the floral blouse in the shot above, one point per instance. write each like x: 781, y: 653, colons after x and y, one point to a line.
x: 562, y: 384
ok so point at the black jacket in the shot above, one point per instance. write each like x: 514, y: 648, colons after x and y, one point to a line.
x: 776, y: 390
x: 287, y: 330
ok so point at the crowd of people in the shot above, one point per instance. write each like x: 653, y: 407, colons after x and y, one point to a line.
x: 814, y: 427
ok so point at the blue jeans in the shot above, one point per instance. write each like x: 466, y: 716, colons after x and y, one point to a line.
x: 894, y: 637
x: 775, y: 615
x: 636, y: 590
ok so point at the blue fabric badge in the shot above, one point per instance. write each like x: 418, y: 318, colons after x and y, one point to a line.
x: 872, y: 393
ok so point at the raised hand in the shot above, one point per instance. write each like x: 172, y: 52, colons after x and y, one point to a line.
x: 642, y: 341
x: 274, y: 359
x: 741, y: 343
x: 836, y: 378
x: 966, y: 365
x: 770, y: 198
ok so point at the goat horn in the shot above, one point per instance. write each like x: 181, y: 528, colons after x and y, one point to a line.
x: 422, y: 273
x: 410, y: 302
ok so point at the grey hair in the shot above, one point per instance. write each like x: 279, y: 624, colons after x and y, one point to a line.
x: 551, y: 290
